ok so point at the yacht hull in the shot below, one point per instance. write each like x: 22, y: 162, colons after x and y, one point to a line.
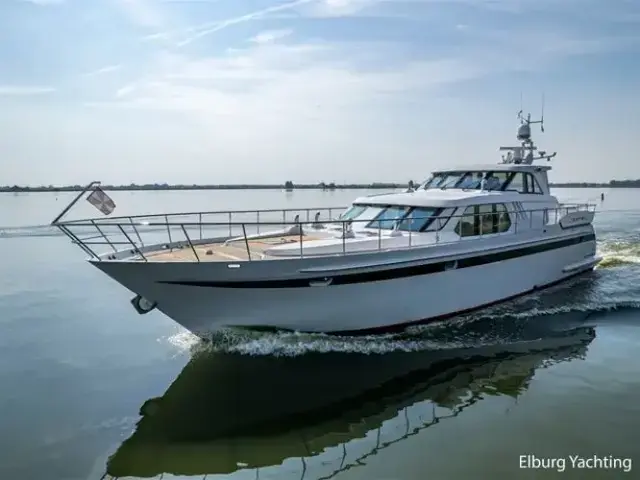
x: 286, y: 294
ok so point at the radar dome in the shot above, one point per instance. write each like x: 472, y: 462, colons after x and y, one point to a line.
x: 524, y: 132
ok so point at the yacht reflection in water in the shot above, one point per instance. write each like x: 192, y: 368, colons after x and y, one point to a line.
x: 317, y: 414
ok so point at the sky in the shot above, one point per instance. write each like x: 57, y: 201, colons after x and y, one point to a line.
x: 264, y: 91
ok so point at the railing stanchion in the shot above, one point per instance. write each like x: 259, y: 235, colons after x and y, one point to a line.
x: 344, y: 237
x: 106, y: 239
x: 258, y: 222
x: 200, y: 224
x: 166, y: 219
x: 135, y: 230
x: 186, y: 235
x: 135, y: 247
x: 300, y: 235
x: 230, y: 232
x: 74, y: 238
x: 246, y: 241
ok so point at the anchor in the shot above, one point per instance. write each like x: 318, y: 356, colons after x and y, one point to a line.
x: 142, y: 305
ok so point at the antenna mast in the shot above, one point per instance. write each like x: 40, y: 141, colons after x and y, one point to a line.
x: 523, y: 154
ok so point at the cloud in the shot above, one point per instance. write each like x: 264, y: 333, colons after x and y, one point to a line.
x: 271, y: 36
x: 333, y: 73
x: 339, y: 8
x: 44, y: 3
x: 103, y: 70
x: 145, y: 13
x: 195, y: 32
x: 23, y: 90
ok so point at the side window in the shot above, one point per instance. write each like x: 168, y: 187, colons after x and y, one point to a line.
x: 353, y: 212
x: 465, y: 226
x: 536, y: 186
x: 433, y: 181
x: 387, y: 218
x: 531, y: 184
x: 495, y: 180
x: 502, y: 218
x: 517, y: 183
x: 485, y: 219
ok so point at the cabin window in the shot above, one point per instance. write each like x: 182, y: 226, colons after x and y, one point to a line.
x: 534, y: 186
x: 433, y: 181
x: 353, y: 212
x: 443, y: 180
x: 516, y: 183
x: 483, y: 220
x: 495, y: 180
x: 465, y: 226
x: 450, y: 180
x: 388, y: 217
x: 418, y: 219
x: 523, y: 182
x: 471, y: 180
x: 503, y: 221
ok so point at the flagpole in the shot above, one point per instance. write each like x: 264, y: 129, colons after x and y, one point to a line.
x: 74, y: 201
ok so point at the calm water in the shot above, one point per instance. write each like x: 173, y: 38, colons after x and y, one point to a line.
x: 89, y: 389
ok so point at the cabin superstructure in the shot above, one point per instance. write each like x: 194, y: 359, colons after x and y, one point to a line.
x: 485, y: 199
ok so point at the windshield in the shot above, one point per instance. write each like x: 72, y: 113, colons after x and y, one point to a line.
x: 472, y: 180
x: 352, y: 212
x: 414, y: 219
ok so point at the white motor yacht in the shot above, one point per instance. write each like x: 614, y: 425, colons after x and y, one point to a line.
x: 468, y: 237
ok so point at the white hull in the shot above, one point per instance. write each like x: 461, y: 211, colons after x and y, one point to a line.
x: 348, y: 307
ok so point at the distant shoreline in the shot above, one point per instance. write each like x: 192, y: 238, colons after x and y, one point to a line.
x: 287, y: 186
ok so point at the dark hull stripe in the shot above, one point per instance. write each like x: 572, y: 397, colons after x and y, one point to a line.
x: 393, y: 273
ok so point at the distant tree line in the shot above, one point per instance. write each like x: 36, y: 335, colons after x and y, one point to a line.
x: 288, y: 185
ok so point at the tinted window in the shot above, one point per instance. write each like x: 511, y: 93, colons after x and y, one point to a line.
x: 388, y: 217
x: 433, y: 181
x: 450, y: 180
x: 524, y: 183
x: 486, y: 220
x: 471, y: 180
x: 503, y: 220
x: 483, y: 220
x: 353, y: 212
x: 535, y: 185
x: 517, y: 183
x: 418, y: 219
x: 465, y: 226
x: 495, y: 180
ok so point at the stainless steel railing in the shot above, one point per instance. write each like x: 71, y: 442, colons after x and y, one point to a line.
x: 140, y: 234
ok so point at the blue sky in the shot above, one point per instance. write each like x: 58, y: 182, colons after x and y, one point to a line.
x: 221, y: 91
